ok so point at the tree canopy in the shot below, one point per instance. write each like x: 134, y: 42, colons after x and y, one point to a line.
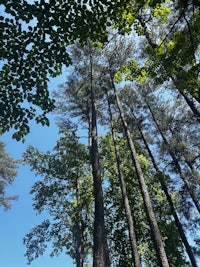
x: 36, y: 35
x: 164, y: 133
x: 135, y: 71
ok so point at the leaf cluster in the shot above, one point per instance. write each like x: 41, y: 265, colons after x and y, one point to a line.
x: 8, y: 167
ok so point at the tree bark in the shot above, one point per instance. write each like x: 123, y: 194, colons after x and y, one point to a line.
x: 171, y: 204
x: 131, y: 229
x: 100, y: 250
x: 157, y: 238
x: 79, y: 231
x: 187, y: 99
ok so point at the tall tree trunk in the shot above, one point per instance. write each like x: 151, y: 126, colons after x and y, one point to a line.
x: 156, y: 235
x: 188, y: 100
x: 175, y: 161
x: 100, y: 250
x: 79, y: 231
x: 90, y: 131
x: 131, y: 229
x: 191, y: 105
x: 169, y: 199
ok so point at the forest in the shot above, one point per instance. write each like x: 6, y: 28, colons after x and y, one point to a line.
x: 121, y: 186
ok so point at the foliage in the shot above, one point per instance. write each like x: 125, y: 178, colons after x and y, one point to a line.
x: 171, y: 131
x: 66, y: 194
x: 115, y: 216
x: 37, y: 33
x: 35, y: 47
x: 116, y: 223
x: 8, y: 172
x: 58, y: 192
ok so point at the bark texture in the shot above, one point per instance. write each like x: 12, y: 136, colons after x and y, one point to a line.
x: 100, y: 248
x: 131, y: 229
x: 171, y: 204
x: 156, y: 235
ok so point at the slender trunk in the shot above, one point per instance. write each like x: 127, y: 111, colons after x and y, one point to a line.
x: 176, y: 162
x: 79, y: 231
x: 156, y: 235
x: 131, y: 229
x: 89, y: 131
x: 171, y: 205
x: 190, y: 103
x: 100, y: 251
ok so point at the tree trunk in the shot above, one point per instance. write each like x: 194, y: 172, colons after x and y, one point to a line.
x: 157, y: 238
x: 100, y: 250
x: 187, y: 99
x: 176, y: 162
x: 79, y: 231
x: 171, y: 205
x: 131, y: 229
x: 191, y: 105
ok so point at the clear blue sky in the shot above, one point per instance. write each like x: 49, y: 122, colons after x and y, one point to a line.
x: 21, y: 218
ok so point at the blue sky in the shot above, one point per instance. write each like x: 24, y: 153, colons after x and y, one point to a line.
x: 21, y: 218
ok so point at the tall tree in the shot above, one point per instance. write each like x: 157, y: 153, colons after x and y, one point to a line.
x: 66, y: 193
x: 177, y: 125
x: 158, y: 242
x: 85, y: 85
x: 117, y: 226
x: 175, y: 160
x: 161, y: 254
x: 130, y: 222
x: 161, y: 178
x: 37, y: 33
x: 101, y: 257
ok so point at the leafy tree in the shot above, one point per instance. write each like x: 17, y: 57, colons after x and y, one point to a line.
x: 83, y: 82
x: 161, y: 254
x: 8, y: 172
x: 173, y: 149
x: 37, y: 33
x: 161, y: 179
x: 130, y: 222
x: 116, y: 220
x: 175, y: 120
x: 35, y: 46
x: 66, y: 194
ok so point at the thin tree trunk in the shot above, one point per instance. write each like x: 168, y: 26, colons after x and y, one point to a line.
x: 190, y: 103
x: 131, y: 229
x: 89, y: 131
x: 176, y: 163
x: 100, y: 251
x: 79, y: 231
x: 171, y: 205
x: 157, y: 238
